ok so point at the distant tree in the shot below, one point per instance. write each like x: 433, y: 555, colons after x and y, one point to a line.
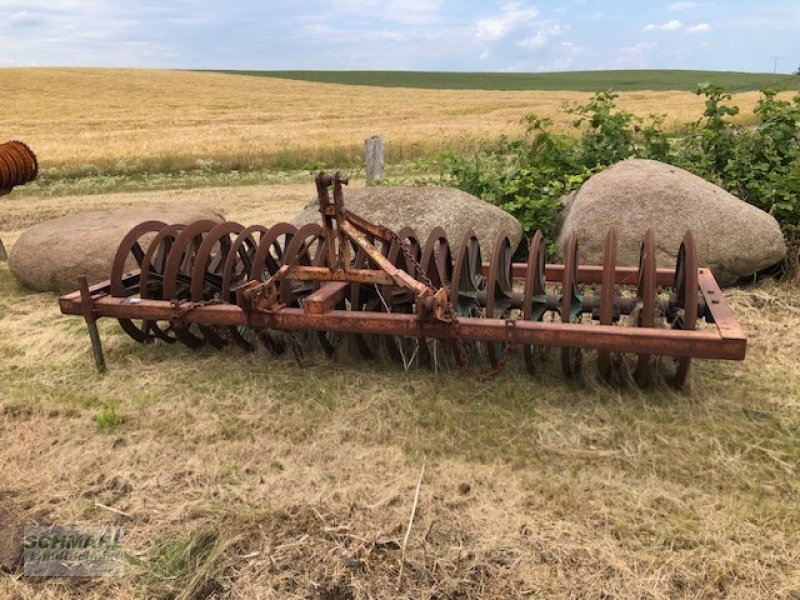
x: 798, y: 71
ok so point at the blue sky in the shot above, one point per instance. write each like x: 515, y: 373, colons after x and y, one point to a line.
x: 407, y: 35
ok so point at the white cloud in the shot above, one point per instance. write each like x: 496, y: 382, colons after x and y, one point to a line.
x: 541, y: 37
x: 523, y: 35
x: 671, y: 25
x: 699, y: 28
x: 512, y: 17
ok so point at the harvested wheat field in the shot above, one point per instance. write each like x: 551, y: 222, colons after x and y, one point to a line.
x: 242, y: 475
x: 84, y: 119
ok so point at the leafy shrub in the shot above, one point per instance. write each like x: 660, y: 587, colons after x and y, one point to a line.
x: 764, y: 169
x: 527, y: 176
x: 709, y: 144
x: 609, y: 135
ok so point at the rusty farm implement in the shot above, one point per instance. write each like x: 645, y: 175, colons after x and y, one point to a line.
x: 395, y: 294
x: 18, y: 165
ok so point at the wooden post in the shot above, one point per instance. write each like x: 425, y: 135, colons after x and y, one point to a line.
x: 373, y: 153
x: 88, y: 315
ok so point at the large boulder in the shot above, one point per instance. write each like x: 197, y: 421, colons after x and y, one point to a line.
x: 423, y: 208
x: 50, y: 256
x: 734, y: 239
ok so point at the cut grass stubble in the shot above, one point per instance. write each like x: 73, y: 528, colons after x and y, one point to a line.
x: 248, y: 475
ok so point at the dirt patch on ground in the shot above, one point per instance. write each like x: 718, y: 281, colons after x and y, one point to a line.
x: 10, y: 538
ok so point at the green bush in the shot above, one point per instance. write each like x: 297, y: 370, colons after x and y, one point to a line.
x: 609, y: 135
x: 527, y: 176
x: 764, y: 169
x: 709, y: 144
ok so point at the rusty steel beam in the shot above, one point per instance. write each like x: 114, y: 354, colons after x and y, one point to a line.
x: 590, y: 274
x: 326, y: 297
x: 665, y: 342
x: 398, y: 276
x: 328, y: 214
x: 721, y: 314
x: 338, y: 284
x: 349, y: 275
x: 377, y: 231
x: 590, y: 303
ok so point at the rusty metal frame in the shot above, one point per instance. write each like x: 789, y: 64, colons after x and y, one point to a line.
x: 727, y: 341
x: 258, y: 302
x: 339, y: 226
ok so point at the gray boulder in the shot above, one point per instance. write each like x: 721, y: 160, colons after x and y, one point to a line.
x: 50, y: 256
x: 734, y: 239
x: 424, y: 208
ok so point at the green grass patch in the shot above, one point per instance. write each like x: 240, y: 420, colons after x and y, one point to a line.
x: 402, y: 162
x: 179, y: 566
x: 580, y: 81
x: 109, y: 418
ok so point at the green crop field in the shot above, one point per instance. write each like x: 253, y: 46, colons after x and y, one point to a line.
x: 580, y: 81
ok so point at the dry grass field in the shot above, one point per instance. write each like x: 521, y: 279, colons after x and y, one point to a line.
x: 85, y: 120
x: 239, y: 476
x: 245, y: 476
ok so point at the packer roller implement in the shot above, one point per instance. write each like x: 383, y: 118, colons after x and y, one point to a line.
x: 18, y: 165
x: 395, y: 294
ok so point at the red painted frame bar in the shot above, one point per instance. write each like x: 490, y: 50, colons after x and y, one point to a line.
x: 590, y: 274
x: 553, y: 273
x: 666, y: 342
x: 721, y: 313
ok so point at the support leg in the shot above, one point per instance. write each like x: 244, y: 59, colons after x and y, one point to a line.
x: 88, y: 314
